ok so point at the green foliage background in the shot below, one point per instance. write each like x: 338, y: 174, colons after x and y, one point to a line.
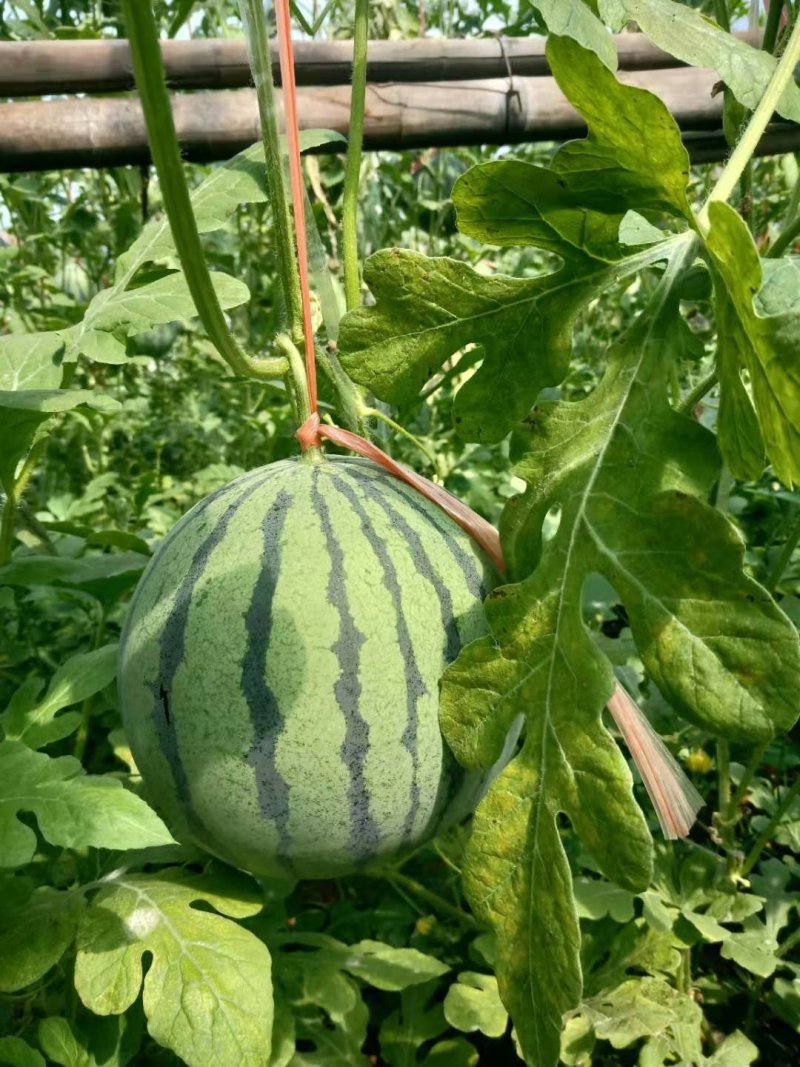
x: 700, y: 965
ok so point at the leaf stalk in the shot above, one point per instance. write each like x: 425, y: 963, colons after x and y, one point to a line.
x: 732, y: 171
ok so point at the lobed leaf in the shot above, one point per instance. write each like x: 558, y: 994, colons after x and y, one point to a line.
x: 207, y: 992
x: 473, y: 1003
x: 31, y: 361
x: 24, y: 411
x: 35, y: 931
x: 16, y: 1052
x: 72, y: 809
x: 695, y: 39
x: 418, y: 1019
x: 426, y: 310
x: 627, y: 474
x: 79, y: 678
x: 573, y: 18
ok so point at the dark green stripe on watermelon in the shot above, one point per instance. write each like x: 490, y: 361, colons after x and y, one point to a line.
x: 172, y: 644
x: 449, y: 625
x: 364, y: 832
x: 415, y: 685
x: 265, y: 713
x: 467, y: 562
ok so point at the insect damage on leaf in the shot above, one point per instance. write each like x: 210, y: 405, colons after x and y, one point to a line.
x: 630, y: 475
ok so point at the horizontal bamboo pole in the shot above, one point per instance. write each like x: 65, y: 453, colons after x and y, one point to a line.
x: 41, y: 68
x: 43, y: 135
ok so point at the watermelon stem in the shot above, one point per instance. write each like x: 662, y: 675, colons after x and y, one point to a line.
x: 302, y: 397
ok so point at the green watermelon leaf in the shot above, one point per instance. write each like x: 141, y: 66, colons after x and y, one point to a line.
x: 116, y: 313
x: 691, y: 37
x: 426, y: 310
x: 79, y: 678
x: 765, y: 345
x: 473, y: 1003
x: 383, y: 966
x: 16, y: 1052
x: 24, y: 411
x: 208, y: 991
x: 648, y: 1008
x: 241, y: 180
x: 106, y: 576
x: 31, y: 361
x: 60, y: 1043
x: 72, y: 809
x: 453, y: 1052
x: 634, y: 148
x: 336, y: 1037
x: 573, y: 18
x: 628, y: 475
x: 418, y: 1019
x: 595, y: 898
x: 35, y: 932
x: 735, y: 1051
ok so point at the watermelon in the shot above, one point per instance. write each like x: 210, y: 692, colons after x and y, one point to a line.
x: 279, y: 668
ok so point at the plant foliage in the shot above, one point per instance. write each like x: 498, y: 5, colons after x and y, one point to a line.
x: 592, y: 354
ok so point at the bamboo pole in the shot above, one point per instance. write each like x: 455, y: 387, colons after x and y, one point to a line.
x: 41, y: 68
x: 42, y: 135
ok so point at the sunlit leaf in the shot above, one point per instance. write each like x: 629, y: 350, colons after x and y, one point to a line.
x: 692, y: 37
x: 629, y: 475
x: 473, y: 1003
x: 573, y: 18
x: 72, y: 809
x: 207, y: 992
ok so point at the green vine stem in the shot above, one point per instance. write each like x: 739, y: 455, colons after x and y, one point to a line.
x: 298, y: 371
x: 770, y: 38
x: 376, y: 413
x: 149, y: 73
x: 261, y: 67
x: 8, y: 525
x: 421, y: 892
x: 352, y: 172
x: 785, y: 557
x: 730, y: 813
x: 732, y: 171
x: 695, y: 395
x: 14, y: 490
x: 787, y: 236
x: 766, y: 834
x: 349, y: 395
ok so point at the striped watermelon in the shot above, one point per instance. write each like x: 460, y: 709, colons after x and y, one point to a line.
x: 280, y: 663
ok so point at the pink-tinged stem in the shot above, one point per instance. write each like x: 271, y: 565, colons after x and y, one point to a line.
x: 675, y: 799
